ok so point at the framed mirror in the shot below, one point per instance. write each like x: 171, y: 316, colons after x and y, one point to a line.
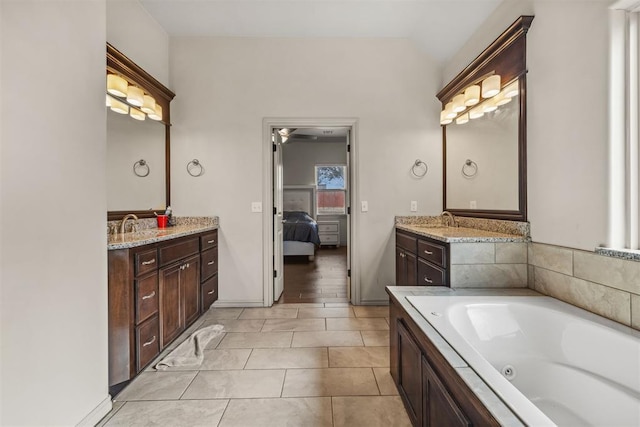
x: 138, y: 140
x: 484, y: 131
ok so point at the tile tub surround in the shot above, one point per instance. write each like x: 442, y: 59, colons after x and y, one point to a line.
x: 150, y: 233
x: 494, y: 225
x: 607, y: 286
x: 482, y: 265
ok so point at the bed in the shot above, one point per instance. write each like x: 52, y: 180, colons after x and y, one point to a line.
x: 300, y: 232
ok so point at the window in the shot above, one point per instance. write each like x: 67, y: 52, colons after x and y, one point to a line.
x: 331, y: 185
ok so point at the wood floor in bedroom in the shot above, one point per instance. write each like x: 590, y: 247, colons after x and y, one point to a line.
x: 322, y: 280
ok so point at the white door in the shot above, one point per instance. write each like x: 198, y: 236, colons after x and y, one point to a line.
x: 278, y: 258
x: 348, y: 209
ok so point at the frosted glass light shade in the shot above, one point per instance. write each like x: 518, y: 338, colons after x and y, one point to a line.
x: 108, y: 102
x: 148, y: 104
x: 119, y: 106
x: 500, y: 99
x: 116, y: 85
x: 157, y: 114
x: 135, y: 96
x: 476, y: 113
x: 444, y: 120
x: 137, y: 114
x: 489, y: 106
x: 472, y: 95
x: 512, y: 90
x: 491, y: 86
x: 458, y: 103
x: 448, y: 108
x: 464, y: 118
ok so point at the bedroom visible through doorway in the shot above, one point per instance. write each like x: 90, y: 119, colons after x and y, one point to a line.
x: 311, y: 187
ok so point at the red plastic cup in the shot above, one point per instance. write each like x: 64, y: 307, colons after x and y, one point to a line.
x: 162, y: 221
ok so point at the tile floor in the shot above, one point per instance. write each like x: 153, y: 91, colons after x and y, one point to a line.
x: 320, y: 364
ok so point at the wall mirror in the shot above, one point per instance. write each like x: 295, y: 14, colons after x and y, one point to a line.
x: 138, y: 139
x: 484, y: 131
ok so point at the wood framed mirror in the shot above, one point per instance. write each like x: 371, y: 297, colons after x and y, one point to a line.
x: 485, y: 157
x: 132, y: 141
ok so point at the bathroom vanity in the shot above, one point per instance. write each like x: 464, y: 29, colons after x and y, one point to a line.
x: 160, y: 282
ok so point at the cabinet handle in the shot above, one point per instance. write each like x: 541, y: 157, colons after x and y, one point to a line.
x: 427, y: 252
x: 211, y: 262
x: 211, y: 242
x: 426, y: 279
x: 211, y: 293
x: 187, y: 265
x: 150, y: 342
x: 401, y: 254
x: 151, y: 295
x: 151, y: 261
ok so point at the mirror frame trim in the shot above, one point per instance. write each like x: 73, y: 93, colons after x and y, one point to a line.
x: 506, y: 56
x: 119, y: 63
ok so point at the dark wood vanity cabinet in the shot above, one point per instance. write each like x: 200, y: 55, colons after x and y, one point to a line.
x: 433, y: 393
x: 156, y: 291
x: 421, y: 261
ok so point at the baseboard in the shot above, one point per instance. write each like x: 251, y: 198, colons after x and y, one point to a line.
x: 237, y: 304
x: 98, y: 413
x: 374, y: 302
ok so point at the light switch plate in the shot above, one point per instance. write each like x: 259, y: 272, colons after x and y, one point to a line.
x: 256, y: 207
x: 414, y: 206
x: 364, y: 206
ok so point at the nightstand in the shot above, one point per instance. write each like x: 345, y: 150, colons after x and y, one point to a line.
x: 329, y: 232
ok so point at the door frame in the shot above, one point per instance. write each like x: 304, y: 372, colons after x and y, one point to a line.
x: 268, y: 124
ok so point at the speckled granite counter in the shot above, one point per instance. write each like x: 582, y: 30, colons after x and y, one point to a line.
x: 460, y: 234
x: 183, y: 227
x: 489, y: 399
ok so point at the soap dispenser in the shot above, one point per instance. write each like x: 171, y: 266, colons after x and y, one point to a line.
x: 168, y: 212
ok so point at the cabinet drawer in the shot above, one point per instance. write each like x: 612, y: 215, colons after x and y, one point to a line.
x: 209, y: 292
x: 209, y: 263
x: 331, y: 228
x: 429, y: 274
x: 329, y: 239
x: 432, y: 252
x: 177, y: 251
x: 407, y: 242
x: 147, y: 342
x: 209, y: 240
x: 146, y: 298
x: 146, y: 261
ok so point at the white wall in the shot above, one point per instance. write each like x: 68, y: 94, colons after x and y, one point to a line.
x: 53, y: 268
x: 132, y: 31
x: 567, y: 57
x: 226, y: 86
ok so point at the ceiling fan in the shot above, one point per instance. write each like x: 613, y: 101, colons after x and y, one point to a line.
x: 290, y: 133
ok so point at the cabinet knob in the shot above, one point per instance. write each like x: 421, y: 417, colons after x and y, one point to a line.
x: 151, y: 261
x: 150, y: 342
x: 151, y: 295
x: 426, y: 279
x: 427, y: 252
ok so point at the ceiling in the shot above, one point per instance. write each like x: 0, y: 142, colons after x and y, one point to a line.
x: 439, y: 27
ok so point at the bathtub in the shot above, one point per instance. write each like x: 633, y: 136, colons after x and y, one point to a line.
x: 550, y: 362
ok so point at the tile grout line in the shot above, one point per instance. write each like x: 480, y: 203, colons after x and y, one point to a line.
x: 224, y: 412
x: 189, y: 385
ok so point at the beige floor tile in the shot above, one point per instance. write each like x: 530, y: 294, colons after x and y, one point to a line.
x: 236, y: 325
x: 385, y: 382
x: 223, y: 313
x: 157, y: 386
x: 269, y: 313
x: 256, y: 340
x: 235, y: 384
x: 308, y: 412
x: 215, y: 360
x: 327, y: 339
x: 283, y: 358
x: 337, y: 304
x: 382, y: 411
x: 358, y: 357
x: 355, y: 324
x: 325, y: 312
x: 294, y: 325
x: 373, y: 311
x: 116, y: 406
x: 299, y: 305
x: 375, y: 338
x: 330, y: 382
x: 170, y: 413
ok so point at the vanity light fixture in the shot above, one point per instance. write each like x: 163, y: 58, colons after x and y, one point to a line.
x: 135, y: 96
x: 501, y: 99
x: 458, y: 103
x: 157, y: 114
x: 472, y: 95
x: 444, y: 120
x: 137, y: 114
x: 489, y: 106
x: 108, y: 103
x: 119, y: 106
x: 464, y: 118
x: 476, y: 113
x: 448, y: 110
x: 512, y: 90
x: 148, y: 104
x: 116, y: 85
x: 491, y: 86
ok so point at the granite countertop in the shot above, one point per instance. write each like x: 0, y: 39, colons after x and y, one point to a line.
x: 153, y: 235
x: 460, y: 234
x: 492, y: 402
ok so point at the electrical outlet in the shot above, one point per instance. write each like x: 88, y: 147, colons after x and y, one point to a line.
x: 473, y: 204
x: 414, y: 206
x: 364, y: 206
x: 256, y: 207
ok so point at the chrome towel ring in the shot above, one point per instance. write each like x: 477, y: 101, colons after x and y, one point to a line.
x: 141, y: 168
x: 469, y: 168
x: 419, y: 168
x: 195, y: 168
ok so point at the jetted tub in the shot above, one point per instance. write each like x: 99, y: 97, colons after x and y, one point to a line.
x: 550, y: 362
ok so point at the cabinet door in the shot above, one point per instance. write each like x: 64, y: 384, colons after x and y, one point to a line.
x: 401, y: 268
x: 190, y: 289
x: 439, y: 407
x: 171, y: 323
x: 409, y: 374
x: 412, y: 269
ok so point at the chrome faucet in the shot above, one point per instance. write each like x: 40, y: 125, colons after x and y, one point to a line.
x: 124, y: 222
x: 452, y: 219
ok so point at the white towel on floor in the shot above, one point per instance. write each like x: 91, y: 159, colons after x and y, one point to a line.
x: 191, y: 351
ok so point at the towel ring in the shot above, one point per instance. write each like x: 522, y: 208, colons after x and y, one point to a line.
x: 469, y: 168
x: 419, y: 168
x: 139, y: 168
x: 195, y: 168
